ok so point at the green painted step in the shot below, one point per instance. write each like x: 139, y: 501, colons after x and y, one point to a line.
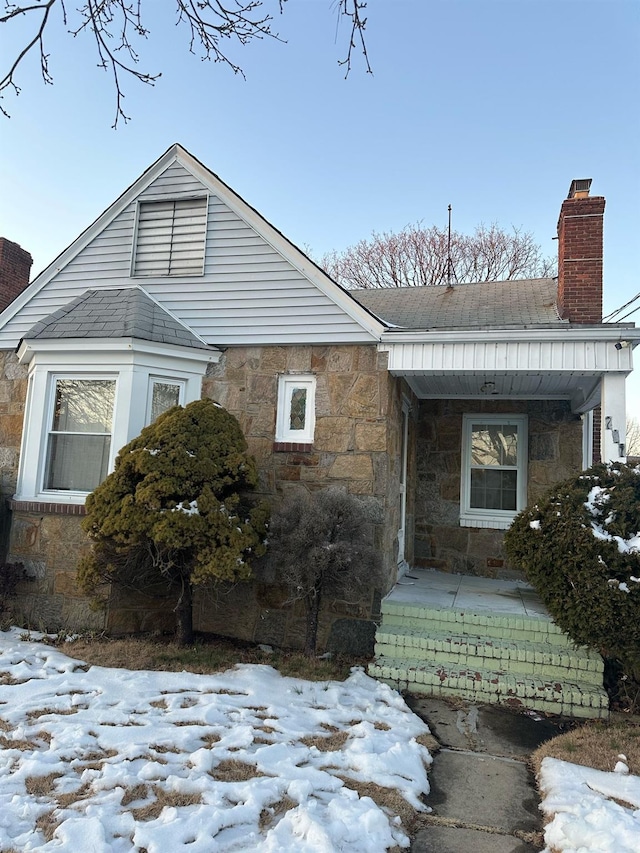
x: 493, y: 685
x: 487, y: 624
x: 524, y: 657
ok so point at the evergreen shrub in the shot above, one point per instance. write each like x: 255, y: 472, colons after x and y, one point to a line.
x: 580, y: 548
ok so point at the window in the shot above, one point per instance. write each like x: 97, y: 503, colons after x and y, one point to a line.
x: 296, y: 409
x: 170, y: 237
x: 83, y: 405
x: 494, y: 455
x: 79, y: 440
x: 163, y: 395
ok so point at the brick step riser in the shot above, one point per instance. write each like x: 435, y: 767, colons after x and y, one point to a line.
x: 467, y: 628
x: 479, y: 618
x: 545, y: 668
x: 547, y: 706
x: 414, y: 644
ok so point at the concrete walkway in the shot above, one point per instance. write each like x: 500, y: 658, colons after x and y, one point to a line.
x: 483, y: 796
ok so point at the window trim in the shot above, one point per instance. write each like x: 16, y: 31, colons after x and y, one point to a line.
x: 286, y: 383
x: 496, y: 518
x: 43, y: 467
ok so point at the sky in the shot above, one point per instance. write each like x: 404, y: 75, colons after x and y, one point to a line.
x: 492, y: 106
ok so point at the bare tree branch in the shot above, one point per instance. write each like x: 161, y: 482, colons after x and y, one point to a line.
x: 116, y: 27
x: 417, y: 257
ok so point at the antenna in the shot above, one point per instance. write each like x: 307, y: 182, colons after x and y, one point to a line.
x: 451, y: 273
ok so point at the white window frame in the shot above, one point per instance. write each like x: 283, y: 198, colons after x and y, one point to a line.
x: 133, y: 363
x: 163, y: 380
x: 198, y: 269
x: 51, y: 401
x: 287, y: 383
x: 495, y: 518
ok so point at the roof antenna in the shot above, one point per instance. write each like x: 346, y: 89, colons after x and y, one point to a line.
x: 451, y: 273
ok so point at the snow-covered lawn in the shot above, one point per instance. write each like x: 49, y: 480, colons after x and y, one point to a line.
x: 110, y: 760
x: 592, y: 811
x: 113, y: 760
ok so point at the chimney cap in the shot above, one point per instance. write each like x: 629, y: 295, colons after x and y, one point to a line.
x: 580, y: 188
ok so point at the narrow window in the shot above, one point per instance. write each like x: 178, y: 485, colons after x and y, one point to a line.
x: 493, y: 484
x: 296, y: 409
x: 79, y: 440
x: 170, y: 237
x: 164, y: 394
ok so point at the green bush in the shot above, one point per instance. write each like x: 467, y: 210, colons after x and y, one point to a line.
x: 174, y: 514
x: 580, y: 548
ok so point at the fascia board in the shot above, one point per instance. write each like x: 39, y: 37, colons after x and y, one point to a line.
x: 92, y: 350
x: 573, y: 333
x: 283, y: 245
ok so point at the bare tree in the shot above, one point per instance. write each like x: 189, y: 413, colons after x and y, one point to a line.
x: 321, y: 546
x: 633, y: 437
x: 118, y: 30
x: 419, y: 256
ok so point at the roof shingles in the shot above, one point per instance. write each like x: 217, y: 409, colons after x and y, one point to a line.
x: 126, y: 312
x: 497, y: 304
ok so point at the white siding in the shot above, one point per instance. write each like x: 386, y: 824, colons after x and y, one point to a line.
x: 249, y: 293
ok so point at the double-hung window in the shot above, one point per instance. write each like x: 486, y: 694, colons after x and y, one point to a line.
x: 296, y: 409
x: 494, y: 468
x: 79, y: 438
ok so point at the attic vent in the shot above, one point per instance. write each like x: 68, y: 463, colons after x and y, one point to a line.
x: 580, y: 188
x: 171, y: 237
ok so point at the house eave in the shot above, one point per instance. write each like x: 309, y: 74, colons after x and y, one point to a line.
x: 100, y: 347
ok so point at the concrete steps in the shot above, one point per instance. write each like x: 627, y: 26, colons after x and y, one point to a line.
x: 486, y: 656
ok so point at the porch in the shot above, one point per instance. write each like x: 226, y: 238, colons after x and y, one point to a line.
x: 485, y: 639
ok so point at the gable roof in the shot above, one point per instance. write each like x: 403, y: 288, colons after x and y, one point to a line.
x: 489, y: 304
x: 126, y: 312
x: 354, y: 322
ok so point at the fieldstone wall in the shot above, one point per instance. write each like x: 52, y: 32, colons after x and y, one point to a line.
x: 13, y: 393
x: 555, y: 453
x: 356, y: 447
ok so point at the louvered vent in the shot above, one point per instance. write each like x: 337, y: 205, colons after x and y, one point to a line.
x: 171, y: 237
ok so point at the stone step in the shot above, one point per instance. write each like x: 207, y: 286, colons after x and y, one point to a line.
x: 544, y: 660
x: 506, y: 626
x: 493, y: 685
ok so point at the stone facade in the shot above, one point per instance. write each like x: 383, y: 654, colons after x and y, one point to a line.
x: 555, y: 453
x: 356, y: 447
x: 13, y: 393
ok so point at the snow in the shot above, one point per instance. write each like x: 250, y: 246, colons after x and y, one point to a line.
x: 592, y: 811
x: 239, y: 759
x: 83, y: 751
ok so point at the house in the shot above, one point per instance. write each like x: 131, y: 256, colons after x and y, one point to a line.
x: 447, y: 408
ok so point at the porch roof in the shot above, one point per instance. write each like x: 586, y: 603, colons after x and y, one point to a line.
x: 486, y: 304
x: 565, y: 363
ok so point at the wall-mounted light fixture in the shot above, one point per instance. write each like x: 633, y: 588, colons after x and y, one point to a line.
x: 621, y: 345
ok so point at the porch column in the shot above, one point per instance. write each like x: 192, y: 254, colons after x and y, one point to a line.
x: 613, y: 418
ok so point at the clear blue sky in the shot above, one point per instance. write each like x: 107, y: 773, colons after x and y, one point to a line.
x: 492, y: 106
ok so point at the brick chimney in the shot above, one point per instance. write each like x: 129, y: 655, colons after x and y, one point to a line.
x: 580, y: 229
x: 15, y: 266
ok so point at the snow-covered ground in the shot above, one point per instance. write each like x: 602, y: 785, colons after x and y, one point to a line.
x: 592, y: 811
x: 111, y: 760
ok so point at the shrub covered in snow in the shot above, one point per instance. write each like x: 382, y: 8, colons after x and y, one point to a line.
x: 174, y: 513
x: 580, y: 548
